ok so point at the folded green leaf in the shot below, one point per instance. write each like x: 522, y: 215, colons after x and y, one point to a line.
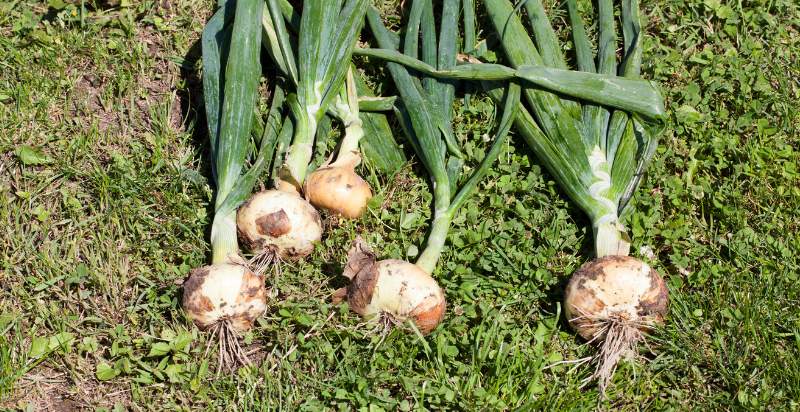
x: 635, y: 95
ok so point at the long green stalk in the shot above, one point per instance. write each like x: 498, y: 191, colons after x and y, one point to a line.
x: 373, y: 132
x: 598, y: 157
x: 421, y: 113
x: 328, y: 31
x: 236, y: 90
x: 630, y: 94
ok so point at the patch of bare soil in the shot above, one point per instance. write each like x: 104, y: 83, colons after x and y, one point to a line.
x: 46, y: 389
x: 137, y: 110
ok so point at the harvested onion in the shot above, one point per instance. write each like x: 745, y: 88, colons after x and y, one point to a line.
x: 338, y: 188
x: 225, y: 299
x: 224, y: 292
x: 279, y: 223
x: 394, y: 288
x: 614, y: 300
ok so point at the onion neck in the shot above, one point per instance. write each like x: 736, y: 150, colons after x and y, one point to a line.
x: 224, y: 245
x: 353, y: 132
x: 301, y: 151
x: 442, y: 218
x: 346, y: 108
x: 610, y: 237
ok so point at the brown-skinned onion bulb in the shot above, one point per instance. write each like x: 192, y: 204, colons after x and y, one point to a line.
x: 395, y: 288
x: 279, y: 222
x: 224, y: 293
x: 614, y: 300
x: 225, y: 299
x: 337, y: 188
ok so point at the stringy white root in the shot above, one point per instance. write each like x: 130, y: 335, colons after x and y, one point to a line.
x: 231, y: 355
x: 266, y: 259
x: 618, y: 338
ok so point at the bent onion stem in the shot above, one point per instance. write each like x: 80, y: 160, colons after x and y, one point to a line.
x: 346, y: 109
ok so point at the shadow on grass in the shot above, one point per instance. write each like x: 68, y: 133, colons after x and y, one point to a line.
x: 192, y: 109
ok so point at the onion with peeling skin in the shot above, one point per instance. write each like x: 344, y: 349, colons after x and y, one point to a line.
x: 614, y: 300
x: 225, y: 299
x: 339, y: 189
x: 279, y: 223
x: 224, y: 292
x: 396, y: 288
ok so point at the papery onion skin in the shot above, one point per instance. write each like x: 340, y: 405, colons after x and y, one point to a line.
x: 280, y: 220
x: 338, y: 189
x: 400, y: 289
x: 622, y: 287
x: 224, y: 292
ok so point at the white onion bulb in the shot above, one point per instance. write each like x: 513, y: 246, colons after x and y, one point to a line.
x: 613, y: 301
x: 339, y: 189
x: 224, y: 293
x: 396, y: 288
x: 279, y: 221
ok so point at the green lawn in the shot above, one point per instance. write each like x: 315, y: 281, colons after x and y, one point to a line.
x: 104, y: 208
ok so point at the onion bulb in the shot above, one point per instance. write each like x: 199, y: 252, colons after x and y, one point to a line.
x: 614, y: 300
x: 394, y: 288
x: 225, y: 299
x: 280, y: 223
x: 224, y: 292
x: 337, y: 188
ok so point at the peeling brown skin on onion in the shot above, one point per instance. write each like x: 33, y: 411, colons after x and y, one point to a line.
x: 655, y: 306
x: 276, y: 223
x: 392, y: 287
x: 361, y: 288
x: 251, y: 292
x: 224, y: 293
x: 192, y: 300
x: 427, y: 319
x: 339, y: 190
